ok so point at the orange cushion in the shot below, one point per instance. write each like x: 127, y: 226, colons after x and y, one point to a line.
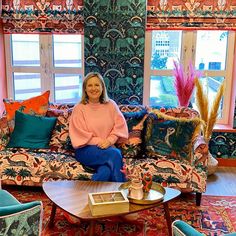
x: 37, y: 105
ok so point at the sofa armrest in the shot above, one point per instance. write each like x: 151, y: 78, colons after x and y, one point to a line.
x: 200, y: 152
x: 4, y: 132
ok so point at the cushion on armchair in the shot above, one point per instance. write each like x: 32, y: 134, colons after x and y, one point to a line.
x: 135, y: 116
x: 168, y: 136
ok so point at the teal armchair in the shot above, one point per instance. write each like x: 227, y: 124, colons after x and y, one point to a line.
x: 181, y: 228
x: 19, y: 218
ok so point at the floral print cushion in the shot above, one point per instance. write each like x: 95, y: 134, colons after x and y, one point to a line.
x: 169, y: 136
x: 135, y: 116
x: 60, y: 140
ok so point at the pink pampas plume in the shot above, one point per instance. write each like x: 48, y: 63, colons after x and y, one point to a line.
x: 184, y: 83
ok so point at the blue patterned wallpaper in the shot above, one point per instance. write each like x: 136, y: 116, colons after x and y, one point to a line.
x: 223, y: 145
x: 114, y: 46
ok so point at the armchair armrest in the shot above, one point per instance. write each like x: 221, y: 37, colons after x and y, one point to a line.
x: 200, y: 152
x: 20, y: 208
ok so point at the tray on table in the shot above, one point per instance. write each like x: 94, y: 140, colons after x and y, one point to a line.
x: 156, y: 194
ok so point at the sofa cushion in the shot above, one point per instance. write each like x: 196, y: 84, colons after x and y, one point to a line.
x: 170, y: 136
x: 168, y: 173
x: 31, y: 131
x: 135, y: 116
x: 34, y: 106
x: 60, y: 140
x: 30, y: 167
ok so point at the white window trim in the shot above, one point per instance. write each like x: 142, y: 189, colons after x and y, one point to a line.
x: 188, y: 52
x: 46, y: 68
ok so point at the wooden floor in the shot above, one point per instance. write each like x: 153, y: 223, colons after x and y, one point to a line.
x: 222, y: 183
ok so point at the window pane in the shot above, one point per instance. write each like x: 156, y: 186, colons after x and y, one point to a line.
x: 25, y: 50
x: 210, y: 86
x: 166, y: 47
x: 26, y: 85
x: 162, y: 91
x: 68, y: 88
x: 211, y: 50
x: 67, y: 51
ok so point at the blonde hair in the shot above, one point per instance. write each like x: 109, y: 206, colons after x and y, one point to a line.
x: 103, y: 98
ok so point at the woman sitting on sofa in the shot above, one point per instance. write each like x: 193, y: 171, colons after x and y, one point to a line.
x: 96, y: 124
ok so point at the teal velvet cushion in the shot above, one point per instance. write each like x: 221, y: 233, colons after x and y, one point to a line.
x: 31, y: 131
x: 169, y: 136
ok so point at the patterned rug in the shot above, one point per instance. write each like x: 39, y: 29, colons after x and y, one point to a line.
x: 215, y: 217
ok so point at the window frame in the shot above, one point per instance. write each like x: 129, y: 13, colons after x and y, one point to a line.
x: 46, y: 69
x: 188, y: 51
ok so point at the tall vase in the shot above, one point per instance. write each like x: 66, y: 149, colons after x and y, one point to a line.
x: 136, y: 189
x: 212, y: 163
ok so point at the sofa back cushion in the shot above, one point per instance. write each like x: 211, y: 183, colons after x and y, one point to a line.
x: 60, y: 140
x: 171, y: 136
x: 37, y: 105
x: 31, y: 131
x: 135, y: 116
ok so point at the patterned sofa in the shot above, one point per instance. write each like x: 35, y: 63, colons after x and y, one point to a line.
x: 162, y: 141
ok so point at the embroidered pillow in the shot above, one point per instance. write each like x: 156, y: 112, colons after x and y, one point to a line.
x: 31, y: 131
x: 34, y: 106
x: 135, y: 116
x: 167, y: 136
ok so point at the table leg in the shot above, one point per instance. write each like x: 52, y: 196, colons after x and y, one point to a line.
x: 91, y: 227
x: 167, y: 216
x: 52, y: 216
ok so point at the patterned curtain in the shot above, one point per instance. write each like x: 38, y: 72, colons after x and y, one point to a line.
x: 34, y: 16
x: 191, y: 14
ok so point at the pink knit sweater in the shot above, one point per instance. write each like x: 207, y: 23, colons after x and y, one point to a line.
x: 91, y: 123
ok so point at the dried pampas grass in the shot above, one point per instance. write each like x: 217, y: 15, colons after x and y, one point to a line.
x: 203, y: 107
x: 214, y: 111
x: 202, y: 102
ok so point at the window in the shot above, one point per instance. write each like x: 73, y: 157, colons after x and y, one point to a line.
x: 209, y: 51
x: 37, y: 63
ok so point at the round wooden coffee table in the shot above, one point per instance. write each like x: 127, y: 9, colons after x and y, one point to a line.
x: 72, y: 196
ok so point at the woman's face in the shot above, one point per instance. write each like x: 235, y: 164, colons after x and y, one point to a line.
x: 93, y: 89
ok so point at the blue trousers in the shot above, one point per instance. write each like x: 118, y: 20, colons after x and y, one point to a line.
x: 106, y: 162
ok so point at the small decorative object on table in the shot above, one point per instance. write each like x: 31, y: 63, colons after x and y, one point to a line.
x: 136, y: 189
x: 103, y: 203
x: 147, y: 181
x: 155, y: 194
x: 140, y: 182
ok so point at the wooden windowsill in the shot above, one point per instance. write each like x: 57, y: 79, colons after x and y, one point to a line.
x: 224, y: 128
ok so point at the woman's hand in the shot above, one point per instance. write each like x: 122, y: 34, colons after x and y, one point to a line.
x: 103, y: 144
